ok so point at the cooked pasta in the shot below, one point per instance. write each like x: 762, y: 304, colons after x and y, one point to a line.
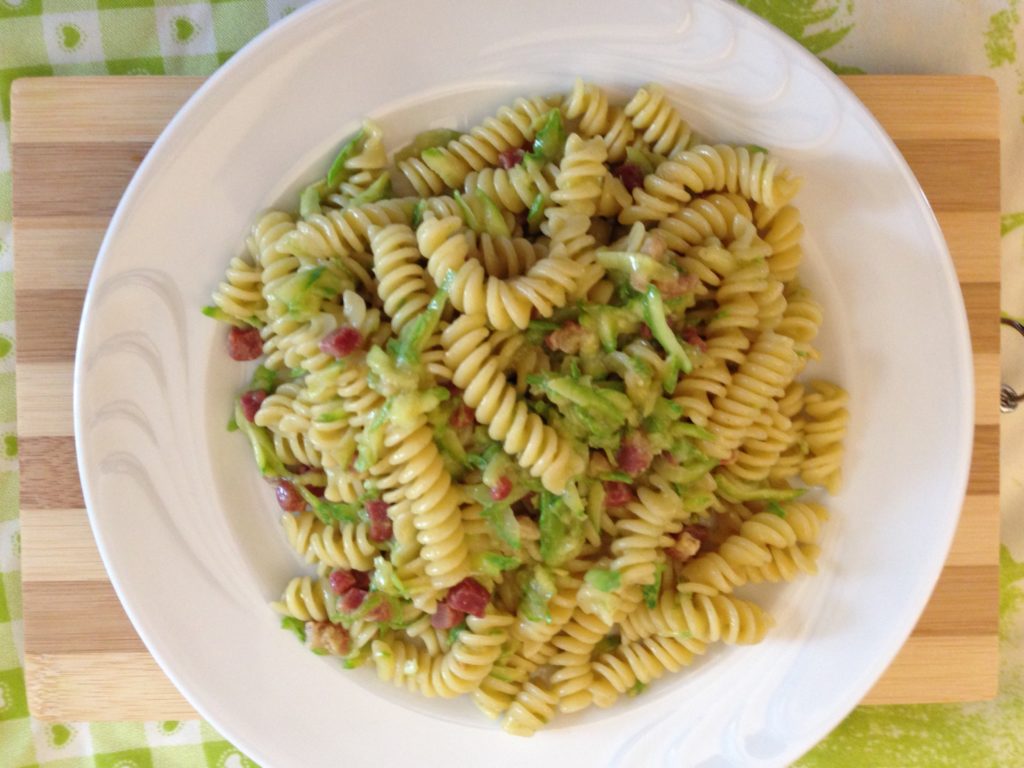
x: 597, y: 117
x: 514, y: 188
x: 535, y: 427
x: 705, y: 168
x: 664, y: 130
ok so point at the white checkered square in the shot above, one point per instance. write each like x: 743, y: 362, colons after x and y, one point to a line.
x: 73, y: 38
x: 6, y: 247
x: 278, y: 9
x: 173, y: 733
x: 185, y: 30
x: 60, y: 741
x: 10, y: 547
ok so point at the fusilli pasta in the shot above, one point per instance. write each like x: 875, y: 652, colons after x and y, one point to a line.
x: 536, y: 427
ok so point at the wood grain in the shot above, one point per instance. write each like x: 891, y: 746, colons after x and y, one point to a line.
x: 76, y: 142
x: 115, y: 685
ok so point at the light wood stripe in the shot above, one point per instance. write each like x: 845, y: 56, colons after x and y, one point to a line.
x: 57, y: 545
x: 140, y: 117
x: 57, y: 253
x: 986, y: 388
x: 97, y: 109
x: 953, y: 106
x: 64, y: 686
x: 972, y: 237
x: 43, y: 408
x: 60, y: 192
x: 125, y: 685
x: 981, y: 300
x: 976, y: 541
x: 946, y: 659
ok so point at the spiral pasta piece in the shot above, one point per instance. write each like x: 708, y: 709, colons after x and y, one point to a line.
x: 329, y: 431
x: 640, y: 662
x: 535, y: 633
x: 240, y: 295
x: 782, y: 230
x: 533, y: 708
x: 580, y: 175
x: 446, y: 167
x: 345, y: 545
x: 574, y: 674
x: 760, y: 452
x: 749, y: 550
x: 689, y: 616
x: 505, y: 257
x: 402, y: 282
x: 359, y: 401
x: 456, y: 672
x: 434, y: 501
x: 663, y: 129
x: 800, y: 321
x: 644, y: 532
x: 762, y: 376
x: 303, y: 599
x: 262, y: 242
x: 789, y: 461
x: 827, y: 418
x: 344, y: 233
x: 405, y: 665
x: 505, y: 303
x: 299, y: 530
x: 704, y: 217
x: 707, y: 168
x: 515, y: 188
x: 786, y: 564
x: 499, y: 689
x: 539, y: 448
x: 294, y: 344
x: 738, y: 317
x: 287, y: 418
x: 362, y: 169
x: 434, y: 640
x: 473, y: 655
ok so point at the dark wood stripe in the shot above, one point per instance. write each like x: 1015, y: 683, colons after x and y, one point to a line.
x: 92, y: 185
x: 48, y: 322
x: 984, y: 477
x: 956, y: 174
x: 981, y: 300
x: 965, y: 602
x: 49, y: 473
x: 77, y: 617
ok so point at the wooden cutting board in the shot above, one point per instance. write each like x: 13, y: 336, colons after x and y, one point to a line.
x: 76, y: 143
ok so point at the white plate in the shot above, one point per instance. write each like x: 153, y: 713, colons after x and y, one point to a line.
x: 190, y: 534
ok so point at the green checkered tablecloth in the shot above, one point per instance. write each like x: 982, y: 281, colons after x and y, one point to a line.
x: 94, y: 37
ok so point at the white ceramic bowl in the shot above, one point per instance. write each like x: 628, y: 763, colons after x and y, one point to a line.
x: 190, y: 535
